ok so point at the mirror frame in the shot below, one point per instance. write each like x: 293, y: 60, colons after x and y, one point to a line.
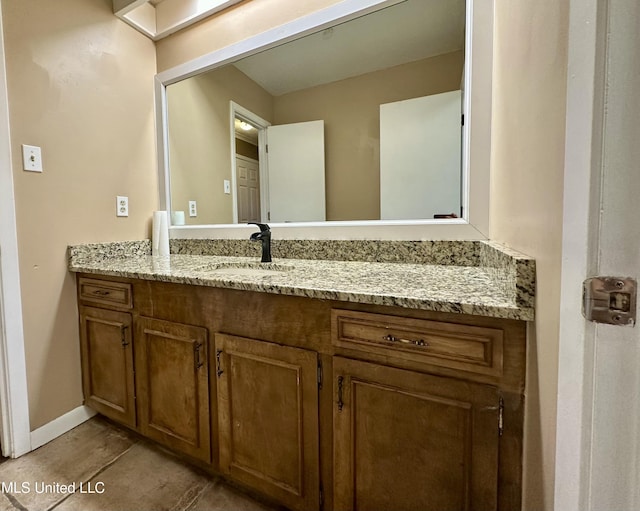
x: 476, y: 152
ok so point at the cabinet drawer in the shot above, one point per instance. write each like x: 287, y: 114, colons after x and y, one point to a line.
x: 105, y: 292
x: 464, y: 347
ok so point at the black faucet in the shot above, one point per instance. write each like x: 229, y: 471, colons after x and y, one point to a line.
x: 265, y: 236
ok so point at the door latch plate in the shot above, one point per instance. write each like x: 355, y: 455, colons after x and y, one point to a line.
x: 610, y: 300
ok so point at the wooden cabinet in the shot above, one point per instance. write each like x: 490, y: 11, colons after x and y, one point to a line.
x: 107, y: 362
x: 145, y: 373
x: 418, y: 410
x: 268, y: 419
x: 406, y: 441
x: 172, y: 374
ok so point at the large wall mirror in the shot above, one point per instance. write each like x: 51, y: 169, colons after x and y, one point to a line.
x: 368, y: 113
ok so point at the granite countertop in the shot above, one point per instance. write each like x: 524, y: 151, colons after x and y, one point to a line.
x: 478, y: 290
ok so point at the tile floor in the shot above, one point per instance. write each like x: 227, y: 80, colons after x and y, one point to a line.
x: 111, y: 469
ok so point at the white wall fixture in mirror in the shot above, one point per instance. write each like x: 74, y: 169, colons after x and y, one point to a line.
x: 338, y: 68
x: 420, y: 157
x: 296, y: 172
x: 160, y: 18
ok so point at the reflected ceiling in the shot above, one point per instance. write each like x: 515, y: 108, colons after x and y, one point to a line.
x: 403, y: 35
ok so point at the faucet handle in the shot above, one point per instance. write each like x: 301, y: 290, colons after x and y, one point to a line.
x: 262, y: 227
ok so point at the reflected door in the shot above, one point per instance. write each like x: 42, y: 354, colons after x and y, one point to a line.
x: 295, y: 154
x: 248, y: 184
x: 420, y: 141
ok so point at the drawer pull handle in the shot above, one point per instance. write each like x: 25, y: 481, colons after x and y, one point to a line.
x: 101, y: 292
x: 219, y: 370
x: 340, y: 402
x: 198, y: 362
x: 393, y: 338
x: 123, y: 331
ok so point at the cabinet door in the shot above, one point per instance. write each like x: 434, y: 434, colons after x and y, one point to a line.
x: 107, y: 363
x: 268, y: 419
x: 410, y: 441
x: 172, y: 382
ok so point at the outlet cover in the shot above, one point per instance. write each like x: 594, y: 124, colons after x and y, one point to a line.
x: 122, y: 205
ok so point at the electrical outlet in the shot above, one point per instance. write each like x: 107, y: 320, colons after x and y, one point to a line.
x: 31, y: 158
x: 193, y: 208
x: 122, y: 206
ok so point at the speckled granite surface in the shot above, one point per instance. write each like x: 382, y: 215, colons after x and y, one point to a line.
x: 461, y: 277
x: 459, y: 253
x: 514, y: 270
x: 94, y: 252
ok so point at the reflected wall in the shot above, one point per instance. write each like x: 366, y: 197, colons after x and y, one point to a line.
x: 200, y: 134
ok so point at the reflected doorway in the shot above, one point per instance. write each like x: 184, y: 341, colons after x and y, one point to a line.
x: 249, y: 175
x: 278, y: 172
x: 248, y: 188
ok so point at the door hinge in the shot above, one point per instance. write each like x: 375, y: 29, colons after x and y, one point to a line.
x: 319, y: 374
x: 321, y: 498
x: 501, y: 417
x: 462, y: 120
x: 266, y: 148
x: 610, y: 300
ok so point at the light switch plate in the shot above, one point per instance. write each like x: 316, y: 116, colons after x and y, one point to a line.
x: 227, y: 186
x: 31, y: 158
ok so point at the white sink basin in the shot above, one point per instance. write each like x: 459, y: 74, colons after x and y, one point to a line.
x: 249, y: 269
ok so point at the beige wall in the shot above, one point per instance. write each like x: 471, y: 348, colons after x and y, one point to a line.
x: 80, y: 85
x: 351, y: 111
x: 200, y: 139
x: 240, y: 22
x: 526, y: 200
x: 199, y: 144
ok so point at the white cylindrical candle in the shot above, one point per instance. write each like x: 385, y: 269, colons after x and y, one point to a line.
x: 160, y: 235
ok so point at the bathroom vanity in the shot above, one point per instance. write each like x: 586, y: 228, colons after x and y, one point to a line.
x: 369, y: 375
x: 320, y: 384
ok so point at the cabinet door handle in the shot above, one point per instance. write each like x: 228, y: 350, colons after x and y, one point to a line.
x: 196, y: 349
x: 123, y: 334
x: 393, y: 338
x: 340, y: 402
x: 219, y: 370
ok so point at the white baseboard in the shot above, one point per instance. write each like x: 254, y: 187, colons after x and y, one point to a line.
x: 59, y: 426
